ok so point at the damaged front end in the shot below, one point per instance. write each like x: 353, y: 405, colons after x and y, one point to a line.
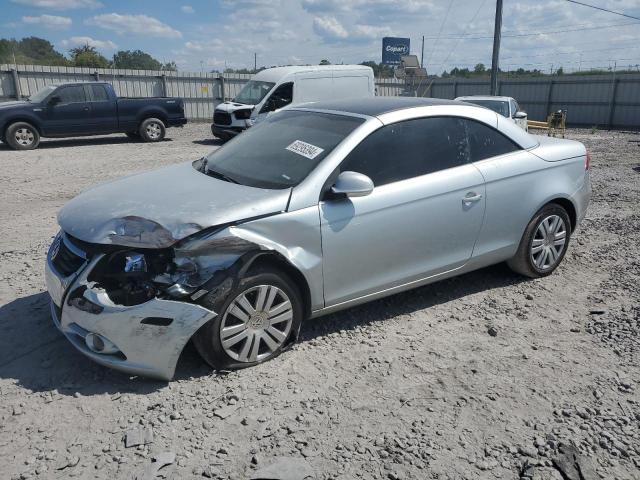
x: 134, y: 309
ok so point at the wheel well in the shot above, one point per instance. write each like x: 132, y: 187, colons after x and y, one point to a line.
x: 570, y: 209
x: 157, y: 115
x: 16, y: 120
x: 276, y: 261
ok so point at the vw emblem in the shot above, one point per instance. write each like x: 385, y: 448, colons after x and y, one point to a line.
x: 55, y: 248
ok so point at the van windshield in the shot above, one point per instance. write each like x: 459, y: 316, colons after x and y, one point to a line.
x: 280, y: 151
x: 253, y: 92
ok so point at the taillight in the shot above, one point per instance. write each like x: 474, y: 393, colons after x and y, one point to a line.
x: 587, y: 162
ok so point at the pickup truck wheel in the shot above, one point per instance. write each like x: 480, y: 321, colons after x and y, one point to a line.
x: 152, y: 130
x: 22, y: 136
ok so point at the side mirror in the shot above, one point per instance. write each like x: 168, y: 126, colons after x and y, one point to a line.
x: 352, y: 184
x: 53, y: 101
x: 520, y: 114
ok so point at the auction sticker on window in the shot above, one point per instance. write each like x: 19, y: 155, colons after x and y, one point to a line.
x: 305, y: 149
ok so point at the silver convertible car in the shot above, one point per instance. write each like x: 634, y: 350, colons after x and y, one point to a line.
x: 314, y: 210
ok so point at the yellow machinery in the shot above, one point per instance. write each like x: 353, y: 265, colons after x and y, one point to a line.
x: 556, y: 122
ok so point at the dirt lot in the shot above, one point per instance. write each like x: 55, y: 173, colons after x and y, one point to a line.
x: 410, y: 387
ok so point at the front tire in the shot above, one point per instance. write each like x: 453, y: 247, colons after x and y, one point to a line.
x: 544, y: 242
x: 255, y: 323
x: 22, y: 136
x: 152, y: 130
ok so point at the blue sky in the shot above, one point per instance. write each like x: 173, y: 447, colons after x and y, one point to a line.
x: 209, y: 34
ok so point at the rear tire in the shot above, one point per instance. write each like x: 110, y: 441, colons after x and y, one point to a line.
x: 544, y: 243
x: 228, y: 342
x: 22, y: 136
x: 152, y: 130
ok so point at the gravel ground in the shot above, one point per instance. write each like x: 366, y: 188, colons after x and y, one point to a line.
x: 488, y: 375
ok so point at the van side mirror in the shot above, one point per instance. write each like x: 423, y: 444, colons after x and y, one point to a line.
x: 520, y: 115
x: 352, y: 184
x: 53, y: 101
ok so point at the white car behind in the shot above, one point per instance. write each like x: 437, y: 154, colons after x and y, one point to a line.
x: 505, y: 106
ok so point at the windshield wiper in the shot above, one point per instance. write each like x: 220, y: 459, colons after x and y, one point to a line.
x: 218, y: 175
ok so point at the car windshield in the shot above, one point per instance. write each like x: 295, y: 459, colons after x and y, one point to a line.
x: 280, y: 151
x: 41, y: 94
x: 498, y: 106
x: 253, y: 92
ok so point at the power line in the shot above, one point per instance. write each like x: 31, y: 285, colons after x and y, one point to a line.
x: 530, y: 34
x: 446, y: 15
x: 603, y: 9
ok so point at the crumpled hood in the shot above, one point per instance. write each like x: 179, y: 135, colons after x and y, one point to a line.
x: 155, y: 209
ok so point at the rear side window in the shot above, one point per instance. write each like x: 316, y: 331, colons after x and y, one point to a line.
x: 99, y: 93
x: 73, y: 94
x: 486, y: 142
x: 409, y: 149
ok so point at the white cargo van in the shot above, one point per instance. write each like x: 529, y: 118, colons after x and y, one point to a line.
x: 275, y: 88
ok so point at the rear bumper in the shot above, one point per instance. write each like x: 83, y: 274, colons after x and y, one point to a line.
x: 126, y: 340
x: 581, y: 199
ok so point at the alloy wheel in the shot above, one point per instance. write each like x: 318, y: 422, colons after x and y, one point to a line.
x: 256, y: 323
x: 548, y: 242
x: 24, y: 136
x: 154, y: 131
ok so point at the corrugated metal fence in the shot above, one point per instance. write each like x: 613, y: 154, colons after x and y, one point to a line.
x: 200, y: 91
x: 602, y: 100
x: 611, y: 100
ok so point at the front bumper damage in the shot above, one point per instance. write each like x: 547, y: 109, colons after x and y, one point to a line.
x: 144, y: 339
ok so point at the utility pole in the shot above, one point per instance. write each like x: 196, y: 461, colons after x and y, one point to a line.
x: 255, y: 62
x: 422, y: 54
x: 497, y: 30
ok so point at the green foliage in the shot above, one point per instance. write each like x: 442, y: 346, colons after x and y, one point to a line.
x: 38, y: 51
x: 87, y: 56
x: 135, y: 59
x: 379, y: 69
x: 30, y: 51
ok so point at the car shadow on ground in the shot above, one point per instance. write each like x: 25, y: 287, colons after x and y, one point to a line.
x: 83, y: 142
x: 444, y: 291
x: 214, y: 142
x: 38, y: 357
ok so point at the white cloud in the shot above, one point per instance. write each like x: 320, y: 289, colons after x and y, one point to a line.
x: 48, y: 21
x: 134, y: 25
x: 60, y: 4
x: 329, y: 28
x: 187, y: 9
x: 81, y: 41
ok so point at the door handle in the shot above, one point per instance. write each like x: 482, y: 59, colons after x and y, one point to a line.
x: 472, y: 197
x: 86, y: 109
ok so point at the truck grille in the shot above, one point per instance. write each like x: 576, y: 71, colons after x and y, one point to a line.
x: 65, y: 260
x: 222, y: 118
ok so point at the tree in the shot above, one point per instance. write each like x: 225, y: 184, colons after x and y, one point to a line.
x: 479, y: 68
x: 170, y: 67
x: 135, y: 60
x: 88, y: 56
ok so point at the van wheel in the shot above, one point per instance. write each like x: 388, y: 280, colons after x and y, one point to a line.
x: 544, y: 243
x: 256, y: 321
x: 22, y: 136
x: 152, y: 130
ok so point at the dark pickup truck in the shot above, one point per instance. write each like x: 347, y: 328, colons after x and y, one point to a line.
x: 87, y: 108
